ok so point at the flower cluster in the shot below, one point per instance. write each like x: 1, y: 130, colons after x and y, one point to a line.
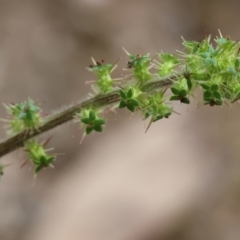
x: 214, y: 67
x: 151, y: 88
x: 24, y: 116
x: 129, y: 98
x: 38, y: 155
x: 140, y: 66
x: 90, y: 118
x: 104, y: 82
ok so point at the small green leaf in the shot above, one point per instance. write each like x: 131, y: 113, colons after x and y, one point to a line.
x: 183, y: 93
x: 133, y: 102
x: 205, y: 86
x: 99, y: 121
x: 147, y: 114
x: 122, y: 104
x: 207, y: 95
x: 22, y: 115
x: 217, y: 95
x: 167, y: 114
x: 175, y: 91
x: 92, y: 116
x: 158, y: 117
x: 214, y: 87
x: 189, y: 83
x: 123, y: 94
x: 237, y: 63
x: 210, y: 103
x: 227, y: 94
x: 185, y: 100
x: 130, y: 93
x: 221, y: 41
x: 130, y: 107
x: 205, y: 55
x: 98, y: 128
x: 237, y: 97
x: 219, y: 103
x: 85, y: 120
x: 38, y: 168
x: 89, y: 130
x: 174, y: 98
x: 211, y: 49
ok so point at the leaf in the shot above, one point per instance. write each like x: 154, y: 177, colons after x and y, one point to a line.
x: 214, y: 61
x: 174, y: 98
x: 175, y: 91
x: 217, y: 95
x: 122, y: 104
x: 85, y: 120
x: 205, y: 55
x: 189, y: 83
x: 214, y: 87
x: 219, y: 103
x: 49, y: 160
x: 130, y: 107
x: 167, y: 114
x: 123, y: 94
x: 211, y: 49
x: 207, y: 95
x: 158, y: 117
x: 38, y: 168
x: 221, y: 41
x: 89, y: 130
x: 130, y: 93
x: 236, y: 98
x: 183, y: 93
x: 185, y: 100
x: 169, y: 58
x: 92, y: 116
x: 98, y: 128
x: 205, y: 86
x: 99, y: 122
x: 133, y: 102
x: 147, y: 114
x: 22, y: 115
x: 237, y: 63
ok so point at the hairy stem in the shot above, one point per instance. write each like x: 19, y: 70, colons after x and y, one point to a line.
x: 55, y: 120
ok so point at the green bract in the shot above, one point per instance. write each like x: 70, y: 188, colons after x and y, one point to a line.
x: 130, y: 98
x: 90, y: 118
x: 167, y: 65
x: 156, y: 108
x: 38, y: 155
x: 104, y: 81
x: 215, y: 67
x: 140, y: 66
x: 25, y: 116
x: 181, y: 90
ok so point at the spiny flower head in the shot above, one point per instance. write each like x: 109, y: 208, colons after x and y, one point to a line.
x: 38, y: 155
x: 168, y: 64
x: 215, y: 67
x: 130, y: 98
x: 90, y: 118
x: 140, y: 66
x: 25, y: 116
x: 104, y: 82
x: 181, y: 90
x: 156, y: 107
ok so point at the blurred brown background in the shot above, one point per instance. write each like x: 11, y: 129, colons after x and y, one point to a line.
x: 181, y: 180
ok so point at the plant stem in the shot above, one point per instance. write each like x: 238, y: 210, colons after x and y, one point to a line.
x: 55, y: 120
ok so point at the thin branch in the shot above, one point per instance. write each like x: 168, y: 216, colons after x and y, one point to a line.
x: 55, y: 120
